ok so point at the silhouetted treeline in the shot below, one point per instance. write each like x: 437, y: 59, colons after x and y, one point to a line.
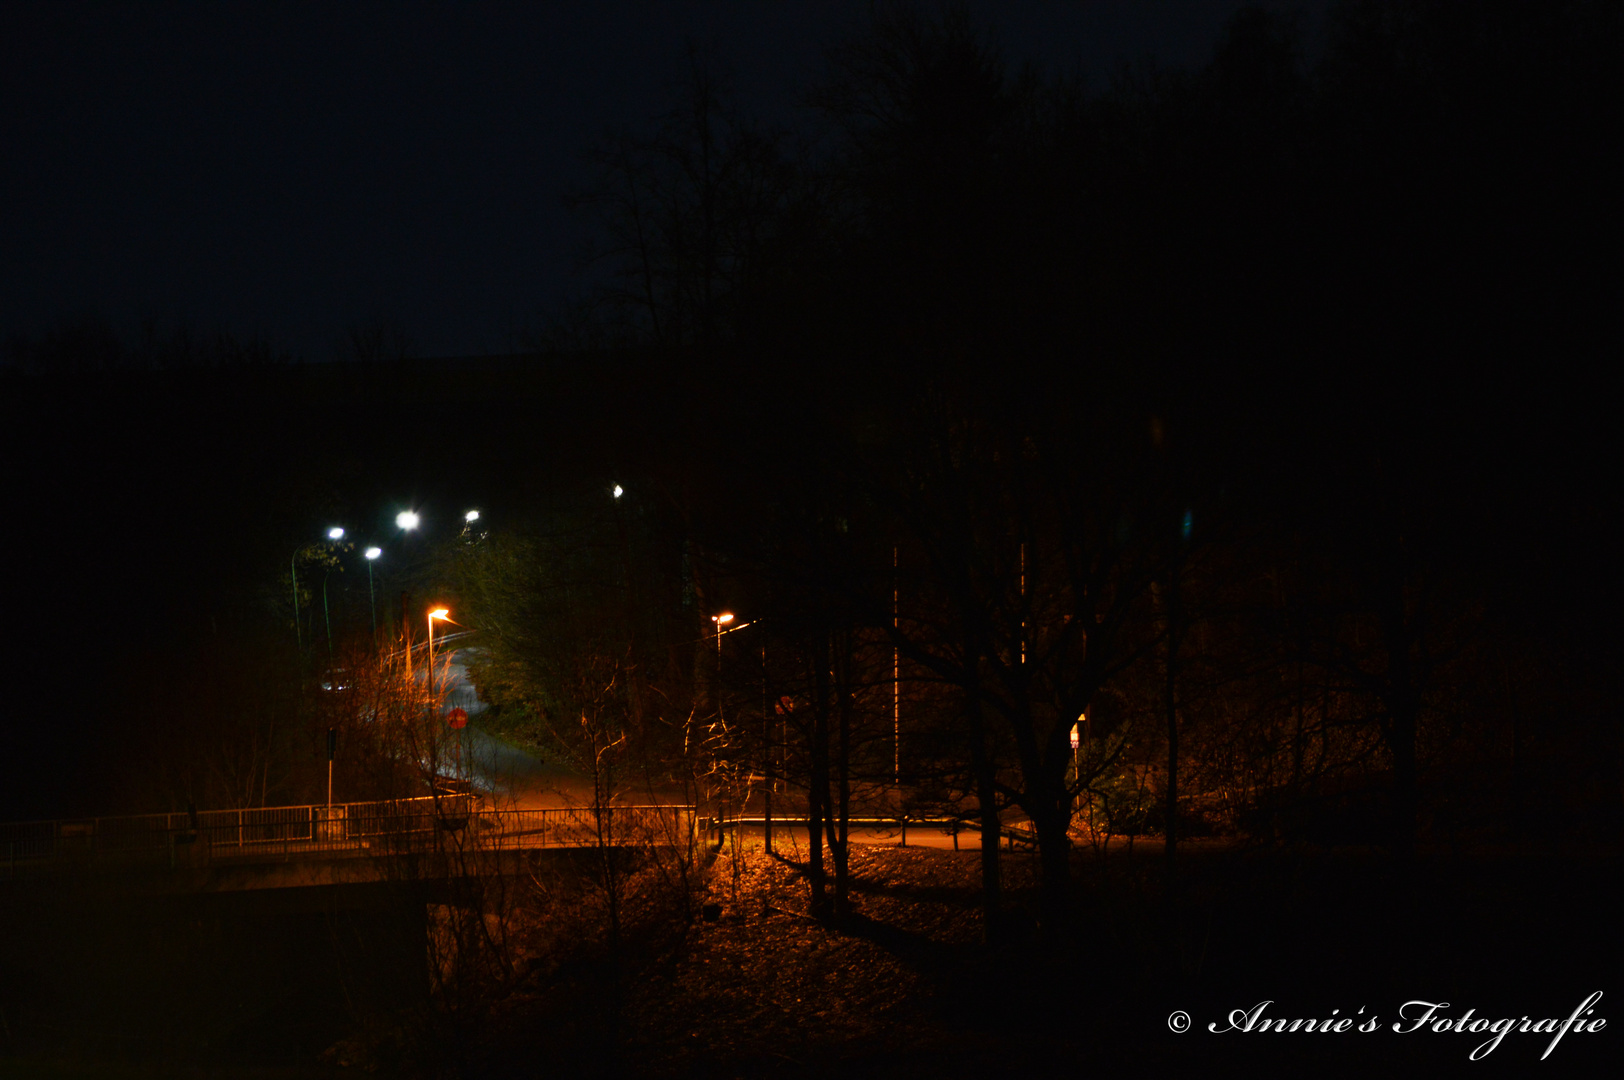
x: 1253, y: 412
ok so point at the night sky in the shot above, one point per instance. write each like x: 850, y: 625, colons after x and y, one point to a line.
x: 293, y: 171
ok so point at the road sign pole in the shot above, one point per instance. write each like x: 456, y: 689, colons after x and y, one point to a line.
x: 457, y: 719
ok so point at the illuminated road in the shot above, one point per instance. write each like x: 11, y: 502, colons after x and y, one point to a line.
x: 509, y: 776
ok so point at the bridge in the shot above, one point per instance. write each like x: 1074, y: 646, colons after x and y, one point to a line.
x: 342, y: 842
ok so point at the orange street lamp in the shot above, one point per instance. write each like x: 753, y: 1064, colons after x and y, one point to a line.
x: 438, y: 613
x: 720, y: 620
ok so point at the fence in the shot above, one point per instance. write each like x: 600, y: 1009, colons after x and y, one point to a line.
x: 286, y: 833
x: 1016, y: 832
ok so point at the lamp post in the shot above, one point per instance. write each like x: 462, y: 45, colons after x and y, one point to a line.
x: 406, y: 521
x: 1076, y: 770
x: 723, y: 619
x: 720, y: 620
x: 372, y: 554
x: 293, y: 575
x: 334, y: 534
x: 434, y: 615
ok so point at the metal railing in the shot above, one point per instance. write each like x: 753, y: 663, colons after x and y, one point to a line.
x: 1016, y: 833
x: 290, y: 833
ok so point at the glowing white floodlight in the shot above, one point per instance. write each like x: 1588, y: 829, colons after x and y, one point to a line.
x: 335, y: 534
x: 619, y: 491
x: 406, y: 520
x: 472, y: 515
x: 373, y: 553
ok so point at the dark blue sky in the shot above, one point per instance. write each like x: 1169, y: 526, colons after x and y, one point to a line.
x: 292, y: 170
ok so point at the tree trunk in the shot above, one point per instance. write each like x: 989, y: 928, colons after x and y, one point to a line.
x: 816, y: 794
x: 818, y: 786
x: 1171, y: 703
x: 1053, y: 822
x: 766, y: 759
x: 841, y: 848
x: 1406, y: 796
x: 987, y: 806
x: 1403, y: 708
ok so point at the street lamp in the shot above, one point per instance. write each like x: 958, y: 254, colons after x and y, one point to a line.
x: 406, y: 520
x: 335, y: 534
x: 437, y: 614
x: 720, y: 620
x: 442, y: 615
x: 471, y: 516
x: 298, y: 635
x: 372, y: 553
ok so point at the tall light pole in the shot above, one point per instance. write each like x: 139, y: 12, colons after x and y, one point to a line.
x: 293, y: 575
x: 434, y: 615
x: 372, y: 554
x: 1076, y: 768
x: 720, y: 620
x: 334, y: 534
x: 406, y: 521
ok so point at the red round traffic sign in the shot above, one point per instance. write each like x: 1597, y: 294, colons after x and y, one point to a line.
x: 457, y: 718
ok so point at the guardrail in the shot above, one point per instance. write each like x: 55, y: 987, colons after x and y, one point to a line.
x: 289, y: 833
x: 1013, y: 832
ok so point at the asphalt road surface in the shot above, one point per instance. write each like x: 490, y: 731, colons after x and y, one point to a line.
x: 505, y: 774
